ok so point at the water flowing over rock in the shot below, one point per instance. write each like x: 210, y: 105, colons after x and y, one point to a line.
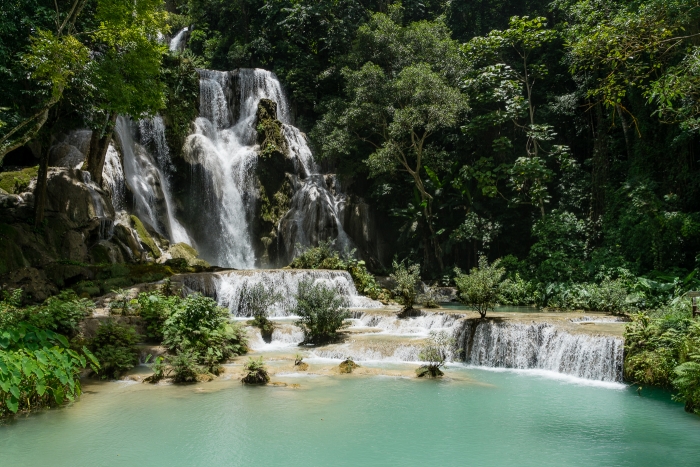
x: 178, y: 43
x: 229, y: 287
x: 541, y: 346
x: 147, y: 177
x: 231, y: 179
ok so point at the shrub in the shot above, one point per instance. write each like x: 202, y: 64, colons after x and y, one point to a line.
x: 256, y: 301
x: 255, y: 372
x: 122, y: 303
x: 154, y: 308
x: 325, y: 256
x: 114, y: 347
x: 435, y: 353
x: 199, y: 326
x: 299, y: 363
x: 516, y: 292
x: 321, y: 311
x: 479, y: 289
x: 184, y: 367
x: 405, y: 276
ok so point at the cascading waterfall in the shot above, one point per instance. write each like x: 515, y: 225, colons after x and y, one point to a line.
x: 148, y: 184
x: 542, y: 346
x: 223, y: 151
x: 177, y: 44
x: 229, y: 287
x: 113, y: 176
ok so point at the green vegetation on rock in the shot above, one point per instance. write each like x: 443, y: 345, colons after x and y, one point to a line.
x: 146, y: 239
x: 255, y: 372
x: 17, y: 182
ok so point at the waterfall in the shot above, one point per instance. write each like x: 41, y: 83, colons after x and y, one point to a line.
x: 113, y: 176
x: 177, y: 44
x: 102, y: 213
x: 229, y: 287
x: 146, y: 180
x: 542, y: 346
x: 223, y: 154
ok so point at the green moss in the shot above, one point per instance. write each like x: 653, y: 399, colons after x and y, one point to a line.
x: 145, y: 237
x: 100, y: 254
x: 189, y: 254
x: 269, y: 130
x: 17, y: 182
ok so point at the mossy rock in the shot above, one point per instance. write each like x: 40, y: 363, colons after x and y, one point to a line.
x: 116, y: 283
x: 272, y: 141
x: 17, y: 182
x: 146, y: 239
x: 86, y: 289
x: 189, y: 254
x: 348, y: 366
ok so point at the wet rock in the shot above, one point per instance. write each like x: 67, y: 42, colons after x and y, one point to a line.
x: 348, y: 366
x: 146, y: 240
x: 33, y: 282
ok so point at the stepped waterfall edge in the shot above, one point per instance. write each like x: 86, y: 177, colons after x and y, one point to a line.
x: 378, y: 334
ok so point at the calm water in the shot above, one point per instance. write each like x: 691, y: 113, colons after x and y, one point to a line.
x: 479, y: 418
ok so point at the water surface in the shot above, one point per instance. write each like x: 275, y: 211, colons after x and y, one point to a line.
x: 477, y: 417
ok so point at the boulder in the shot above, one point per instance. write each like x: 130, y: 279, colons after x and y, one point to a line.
x: 189, y: 254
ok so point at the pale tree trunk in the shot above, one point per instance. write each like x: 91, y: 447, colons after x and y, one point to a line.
x: 98, y: 149
x: 41, y: 182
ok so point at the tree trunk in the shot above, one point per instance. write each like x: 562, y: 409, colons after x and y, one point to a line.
x: 41, y: 181
x: 98, y: 149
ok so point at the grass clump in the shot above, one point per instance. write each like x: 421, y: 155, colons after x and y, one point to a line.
x: 348, y: 365
x: 322, y: 312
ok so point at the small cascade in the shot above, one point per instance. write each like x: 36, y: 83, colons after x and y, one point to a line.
x: 178, y: 43
x: 106, y: 230
x: 146, y: 180
x: 229, y: 287
x: 113, y: 177
x: 541, y: 346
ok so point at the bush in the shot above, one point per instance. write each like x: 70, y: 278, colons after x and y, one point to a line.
x: 479, y: 289
x: 663, y: 349
x: 435, y: 353
x: 255, y: 372
x: 321, y: 311
x: 114, y: 347
x: 154, y: 308
x: 122, y: 303
x: 201, y: 327
x: 325, y: 256
x: 256, y: 301
x: 406, y: 276
x: 184, y: 367
x: 61, y: 313
x: 516, y: 292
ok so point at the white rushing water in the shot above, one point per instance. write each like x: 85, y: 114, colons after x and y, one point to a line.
x: 230, y: 287
x: 113, y: 177
x: 223, y: 151
x: 145, y: 177
x: 541, y: 346
x: 177, y: 44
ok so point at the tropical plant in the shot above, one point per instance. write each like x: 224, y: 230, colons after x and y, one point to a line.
x: 321, y: 310
x: 479, y: 289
